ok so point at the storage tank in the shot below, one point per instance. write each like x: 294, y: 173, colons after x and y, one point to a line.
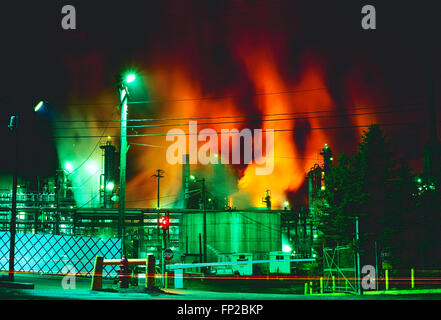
x: 231, y: 232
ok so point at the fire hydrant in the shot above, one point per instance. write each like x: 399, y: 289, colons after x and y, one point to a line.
x: 124, y: 273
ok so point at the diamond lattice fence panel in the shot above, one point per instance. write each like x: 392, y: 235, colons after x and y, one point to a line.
x: 55, y: 254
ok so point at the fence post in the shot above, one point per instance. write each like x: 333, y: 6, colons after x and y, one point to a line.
x: 387, y: 278
x: 306, y: 288
x: 166, y: 280
x: 412, y: 278
x: 333, y: 283
x: 321, y: 285
x: 97, y: 276
x: 310, y: 287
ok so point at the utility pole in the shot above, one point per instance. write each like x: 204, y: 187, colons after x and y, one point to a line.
x: 122, y: 166
x: 13, y: 126
x: 158, y: 175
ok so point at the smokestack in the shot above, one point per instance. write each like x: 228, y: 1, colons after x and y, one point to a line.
x: 107, y: 183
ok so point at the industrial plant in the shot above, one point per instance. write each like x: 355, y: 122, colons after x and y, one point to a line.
x: 203, y: 224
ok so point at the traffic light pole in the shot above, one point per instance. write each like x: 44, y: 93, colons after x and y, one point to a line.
x: 164, y: 224
x: 162, y: 259
x: 122, y: 168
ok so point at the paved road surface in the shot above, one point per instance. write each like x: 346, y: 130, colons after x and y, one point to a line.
x: 51, y: 288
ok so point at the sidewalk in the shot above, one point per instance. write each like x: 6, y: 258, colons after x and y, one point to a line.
x: 398, y: 292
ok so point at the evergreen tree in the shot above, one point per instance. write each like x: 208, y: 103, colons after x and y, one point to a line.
x: 373, y: 185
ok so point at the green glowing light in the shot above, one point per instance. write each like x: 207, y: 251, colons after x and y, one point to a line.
x: 91, y: 167
x: 110, y: 186
x: 286, y: 248
x: 38, y: 106
x: 192, y: 177
x: 286, y: 204
x: 130, y: 78
x: 68, y: 166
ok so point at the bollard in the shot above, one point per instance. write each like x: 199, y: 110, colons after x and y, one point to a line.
x: 306, y: 288
x: 124, y: 273
x: 333, y: 283
x: 179, y: 279
x: 310, y: 287
x: 412, y: 278
x: 166, y: 280
x: 321, y: 285
x: 387, y: 279
x: 97, y: 277
x: 346, y: 284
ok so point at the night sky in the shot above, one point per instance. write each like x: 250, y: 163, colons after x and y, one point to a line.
x: 76, y: 69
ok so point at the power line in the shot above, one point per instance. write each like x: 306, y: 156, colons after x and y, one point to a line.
x: 94, y: 149
x: 257, y: 116
x: 245, y: 121
x: 274, y: 130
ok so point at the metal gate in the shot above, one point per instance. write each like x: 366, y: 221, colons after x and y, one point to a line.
x: 339, y: 269
x: 54, y: 254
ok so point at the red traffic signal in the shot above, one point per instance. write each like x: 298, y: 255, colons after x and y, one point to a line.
x: 164, y: 222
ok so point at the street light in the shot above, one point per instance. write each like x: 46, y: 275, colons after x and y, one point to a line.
x: 38, y: 106
x: 14, y: 126
x: 124, y: 95
x: 130, y: 78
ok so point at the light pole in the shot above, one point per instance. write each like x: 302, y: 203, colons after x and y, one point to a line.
x: 13, y: 126
x: 124, y: 95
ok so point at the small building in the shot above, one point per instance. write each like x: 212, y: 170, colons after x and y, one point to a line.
x: 279, y: 262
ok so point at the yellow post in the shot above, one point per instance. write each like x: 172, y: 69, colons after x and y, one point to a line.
x: 321, y: 285
x: 412, y: 278
x: 306, y: 288
x: 346, y: 284
x: 97, y: 276
x: 387, y: 279
x: 333, y: 283
x: 310, y: 287
x: 165, y: 282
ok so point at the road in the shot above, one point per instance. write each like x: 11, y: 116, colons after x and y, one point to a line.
x: 50, y: 287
